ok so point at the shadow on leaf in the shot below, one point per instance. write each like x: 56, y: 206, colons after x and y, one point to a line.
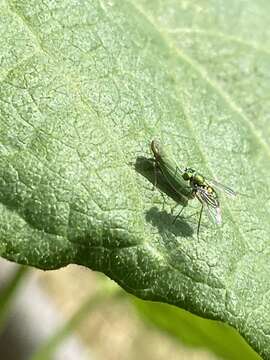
x: 164, y: 222
x: 161, y: 219
x: 146, y: 168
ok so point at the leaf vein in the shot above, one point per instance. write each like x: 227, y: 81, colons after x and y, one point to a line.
x: 221, y: 35
x: 204, y: 75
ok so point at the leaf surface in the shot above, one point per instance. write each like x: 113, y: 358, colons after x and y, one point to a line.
x: 85, y: 86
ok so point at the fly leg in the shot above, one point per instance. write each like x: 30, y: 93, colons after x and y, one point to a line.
x: 200, y: 218
x: 177, y: 216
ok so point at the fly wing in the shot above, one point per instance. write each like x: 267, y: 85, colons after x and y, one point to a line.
x: 173, y: 176
x: 221, y: 187
x: 211, y: 205
x: 214, y: 214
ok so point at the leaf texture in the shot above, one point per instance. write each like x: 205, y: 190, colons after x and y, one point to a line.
x: 85, y: 86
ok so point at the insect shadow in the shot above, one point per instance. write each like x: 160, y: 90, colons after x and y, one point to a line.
x: 161, y: 219
x: 164, y: 222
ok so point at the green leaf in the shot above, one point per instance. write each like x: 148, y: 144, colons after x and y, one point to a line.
x: 195, y: 331
x: 85, y: 87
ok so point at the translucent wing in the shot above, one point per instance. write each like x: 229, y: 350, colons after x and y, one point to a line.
x: 211, y: 204
x: 214, y: 214
x: 221, y: 187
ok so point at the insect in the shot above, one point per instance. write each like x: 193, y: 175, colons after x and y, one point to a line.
x: 190, y: 184
x: 204, y: 191
x: 171, y: 174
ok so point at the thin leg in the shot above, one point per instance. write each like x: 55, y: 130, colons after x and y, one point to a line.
x: 199, y: 223
x: 177, y: 216
x: 174, y: 207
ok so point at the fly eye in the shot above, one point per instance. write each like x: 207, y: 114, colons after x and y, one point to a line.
x: 186, y: 176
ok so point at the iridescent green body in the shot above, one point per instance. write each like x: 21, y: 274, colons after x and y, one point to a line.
x: 205, y: 193
x: 188, y: 184
x: 171, y: 173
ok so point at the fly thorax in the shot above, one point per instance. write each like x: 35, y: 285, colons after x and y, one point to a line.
x: 199, y: 180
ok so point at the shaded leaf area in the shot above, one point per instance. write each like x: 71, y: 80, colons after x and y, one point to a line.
x: 194, y: 331
x: 85, y: 87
